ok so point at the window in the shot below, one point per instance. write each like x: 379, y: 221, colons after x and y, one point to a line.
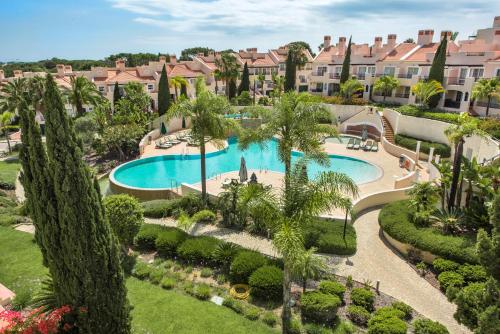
x: 412, y: 71
x: 389, y: 70
x: 282, y: 67
x: 338, y: 69
x: 370, y: 70
x: 466, y: 96
x: 150, y: 87
x: 497, y: 73
x: 463, y: 73
x: 476, y: 72
x: 101, y: 89
x: 362, y: 70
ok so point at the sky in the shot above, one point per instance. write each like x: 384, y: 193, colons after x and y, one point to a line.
x: 93, y: 29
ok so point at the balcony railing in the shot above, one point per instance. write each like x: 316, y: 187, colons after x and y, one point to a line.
x: 456, y: 81
x: 451, y: 104
x: 316, y: 90
x: 403, y: 95
x: 318, y: 73
x: 384, y: 74
x: 361, y: 76
x: 334, y: 75
x: 405, y: 75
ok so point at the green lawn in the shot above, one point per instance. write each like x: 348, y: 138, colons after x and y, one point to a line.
x: 155, y: 311
x: 9, y: 170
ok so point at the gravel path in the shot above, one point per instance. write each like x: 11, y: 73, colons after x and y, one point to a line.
x: 374, y: 260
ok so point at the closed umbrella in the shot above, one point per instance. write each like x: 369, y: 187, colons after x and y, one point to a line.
x: 243, y: 170
x: 163, y: 130
x: 364, y: 134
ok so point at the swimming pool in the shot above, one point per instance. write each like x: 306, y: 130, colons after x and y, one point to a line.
x: 343, y: 139
x: 169, y: 171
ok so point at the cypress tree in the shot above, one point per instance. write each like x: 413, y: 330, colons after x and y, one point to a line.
x: 163, y: 92
x: 290, y: 75
x: 116, y: 94
x: 344, y: 75
x: 437, y: 69
x: 184, y: 90
x: 232, y: 88
x: 245, y: 80
x: 87, y: 250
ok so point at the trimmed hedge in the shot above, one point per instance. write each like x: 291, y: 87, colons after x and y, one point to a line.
x: 267, y: 283
x: 473, y: 273
x: 395, y: 220
x: 326, y: 236
x: 204, y: 216
x: 169, y: 207
x: 427, y: 326
x: 319, y: 307
x: 387, y: 320
x: 425, y: 146
x: 359, y: 315
x: 333, y: 288
x: 167, y: 241
x: 244, y: 264
x: 145, y: 239
x: 441, y: 265
x: 406, y: 309
x: 158, y: 208
x: 363, y: 297
x: 198, y: 250
x: 450, y: 278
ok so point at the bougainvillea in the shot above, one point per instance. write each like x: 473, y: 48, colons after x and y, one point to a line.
x: 60, y: 320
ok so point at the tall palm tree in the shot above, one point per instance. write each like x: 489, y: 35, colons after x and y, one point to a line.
x: 228, y: 68
x: 5, y: 121
x: 36, y: 88
x: 13, y: 94
x: 309, y: 266
x: 299, y: 204
x: 350, y: 87
x: 456, y: 133
x: 385, y: 84
x: 217, y: 78
x: 472, y: 173
x: 279, y: 82
x: 177, y: 82
x: 486, y: 89
x: 82, y: 92
x: 444, y: 168
x: 262, y: 79
x: 425, y: 90
x: 206, y: 112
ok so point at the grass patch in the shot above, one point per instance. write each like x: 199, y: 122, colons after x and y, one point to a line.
x: 327, y: 236
x: 425, y: 146
x: 156, y: 310
x: 394, y: 219
x: 8, y: 171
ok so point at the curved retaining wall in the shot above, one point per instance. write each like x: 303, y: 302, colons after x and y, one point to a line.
x: 380, y: 198
x: 405, y: 181
x: 403, y: 248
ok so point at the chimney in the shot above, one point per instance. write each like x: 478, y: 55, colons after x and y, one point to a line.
x: 425, y: 37
x: 341, y: 44
x: 163, y: 59
x: 496, y: 22
x: 378, y: 42
x: 496, y: 37
x: 18, y: 73
x: 68, y: 69
x: 60, y: 70
x: 120, y: 64
x: 2, y: 75
x: 327, y: 40
x: 173, y: 59
x: 445, y: 34
x: 391, y: 40
x: 210, y: 53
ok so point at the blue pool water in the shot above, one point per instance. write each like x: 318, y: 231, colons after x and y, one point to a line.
x: 172, y: 170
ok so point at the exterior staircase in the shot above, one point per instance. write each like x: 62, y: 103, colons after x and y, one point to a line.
x: 388, y: 131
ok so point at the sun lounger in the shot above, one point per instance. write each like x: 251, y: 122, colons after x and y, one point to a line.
x: 368, y: 145
x: 375, y: 147
x: 350, y: 144
x: 357, y: 142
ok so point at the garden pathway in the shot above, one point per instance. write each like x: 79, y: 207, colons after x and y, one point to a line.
x: 374, y: 260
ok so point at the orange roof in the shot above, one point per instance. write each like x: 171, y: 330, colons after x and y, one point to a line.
x: 399, y: 51
x: 182, y: 70
x: 420, y: 54
x: 255, y: 59
x: 130, y: 74
x: 325, y: 55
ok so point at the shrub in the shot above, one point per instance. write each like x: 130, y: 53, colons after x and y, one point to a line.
x: 270, y: 319
x: 363, y: 297
x: 388, y: 312
x: 331, y: 287
x: 141, y: 270
x: 168, y: 240
x: 319, y: 307
x: 295, y: 326
x: 411, y: 143
x: 267, y: 283
x: 394, y: 220
x: 168, y: 283
x: 190, y: 204
x: 251, y: 312
x: 202, y: 291
x: 188, y: 288
x: 358, y: 315
x: 389, y: 325
x: 158, y: 208
x: 326, y: 236
x: 221, y: 279
x: 204, y: 216
x: 450, y: 278
x: 473, y: 273
x: 206, y: 272
x: 22, y: 300
x: 451, y: 293
x: 427, y: 326
x: 349, y: 283
x: 125, y: 216
x: 244, y: 264
x: 470, y: 304
x: 406, y: 309
x: 145, y: 239
x: 198, y: 250
x: 316, y: 329
x: 233, y: 304
x: 441, y: 265
x: 156, y: 275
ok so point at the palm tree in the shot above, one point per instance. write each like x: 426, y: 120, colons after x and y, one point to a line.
x: 472, y: 173
x: 309, y: 266
x: 12, y: 94
x: 262, y: 78
x: 217, y: 77
x: 350, y: 87
x: 177, y: 82
x: 486, y: 89
x: 5, y: 121
x: 456, y: 133
x: 279, y: 83
x: 228, y: 68
x: 423, y: 198
x: 425, y: 90
x: 206, y: 112
x: 444, y: 168
x: 82, y: 92
x: 385, y: 84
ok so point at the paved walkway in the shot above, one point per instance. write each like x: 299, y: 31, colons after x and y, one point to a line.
x: 374, y: 260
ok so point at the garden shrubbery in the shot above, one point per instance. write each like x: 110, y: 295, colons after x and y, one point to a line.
x: 190, y: 204
x: 146, y: 238
x: 450, y: 278
x: 427, y: 326
x: 425, y: 146
x: 168, y: 240
x: 363, y: 297
x: 267, y: 283
x: 125, y: 216
x: 319, y: 307
x: 406, y: 309
x: 395, y: 220
x: 441, y: 265
x: 326, y: 236
x: 204, y: 216
x: 198, y: 250
x: 244, y: 264
x: 332, y: 287
x: 358, y: 314
x: 387, y: 320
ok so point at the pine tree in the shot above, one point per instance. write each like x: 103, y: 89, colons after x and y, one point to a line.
x: 344, y: 75
x: 163, y: 92
x: 116, y: 94
x: 290, y: 75
x: 88, y: 272
x: 437, y: 69
x: 245, y: 80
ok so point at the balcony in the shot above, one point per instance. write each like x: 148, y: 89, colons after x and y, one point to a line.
x: 378, y: 75
x: 316, y: 90
x: 318, y: 73
x: 402, y: 95
x: 455, y: 81
x: 334, y: 75
x: 361, y: 76
x: 405, y: 75
x: 451, y: 104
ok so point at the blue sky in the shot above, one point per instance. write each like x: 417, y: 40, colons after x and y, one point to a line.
x: 76, y: 29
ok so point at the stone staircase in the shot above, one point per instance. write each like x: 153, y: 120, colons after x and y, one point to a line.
x: 388, y: 131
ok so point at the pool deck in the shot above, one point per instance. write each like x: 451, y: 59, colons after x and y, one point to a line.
x: 182, y: 148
